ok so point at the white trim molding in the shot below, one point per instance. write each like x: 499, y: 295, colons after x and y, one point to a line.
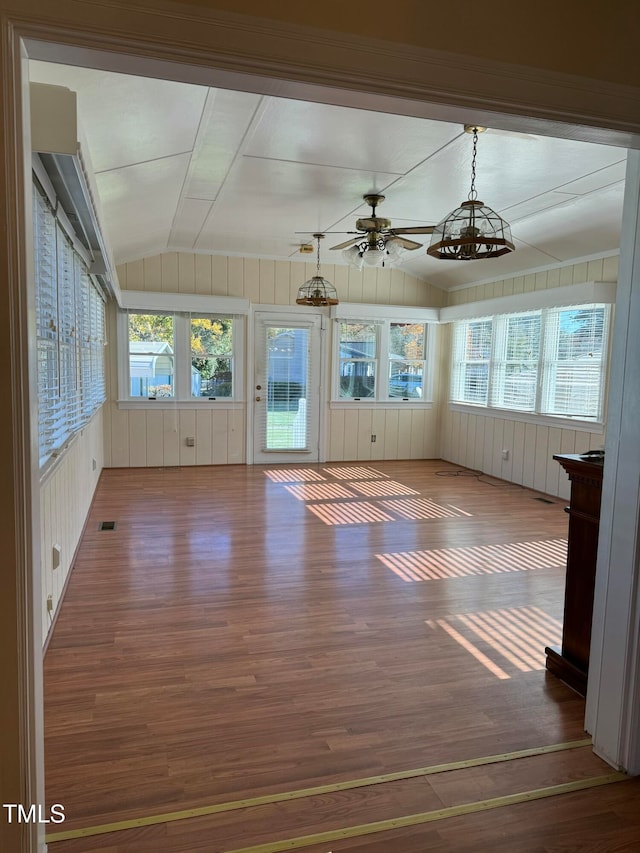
x: 613, y: 690
x: 587, y: 293
x: 226, y: 49
x: 595, y: 427
x: 148, y: 300
x: 397, y: 313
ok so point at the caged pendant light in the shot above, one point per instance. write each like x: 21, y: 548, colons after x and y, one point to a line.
x: 317, y: 291
x: 473, y: 230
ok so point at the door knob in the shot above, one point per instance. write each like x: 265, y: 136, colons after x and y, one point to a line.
x: 258, y: 399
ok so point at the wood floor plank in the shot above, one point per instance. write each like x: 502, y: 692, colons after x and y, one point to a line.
x: 224, y: 641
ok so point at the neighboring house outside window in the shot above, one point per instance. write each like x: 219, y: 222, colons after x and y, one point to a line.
x: 186, y: 357
x: 379, y: 360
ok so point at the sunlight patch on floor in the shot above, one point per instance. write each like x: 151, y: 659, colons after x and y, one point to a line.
x: 319, y: 491
x: 440, y: 563
x: 418, y: 508
x: 354, y: 473
x: 293, y: 475
x: 506, y: 639
x: 382, y: 489
x: 352, y: 512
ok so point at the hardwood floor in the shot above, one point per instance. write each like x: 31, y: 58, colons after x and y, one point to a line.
x: 246, y: 631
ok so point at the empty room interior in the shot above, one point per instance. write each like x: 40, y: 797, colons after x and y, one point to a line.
x: 322, y: 400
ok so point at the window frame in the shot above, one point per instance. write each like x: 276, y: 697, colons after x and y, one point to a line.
x: 382, y: 361
x: 538, y: 414
x: 374, y: 361
x: 201, y: 307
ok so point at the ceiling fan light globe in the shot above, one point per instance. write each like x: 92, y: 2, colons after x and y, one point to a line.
x: 353, y: 256
x: 395, y: 249
x: 374, y: 257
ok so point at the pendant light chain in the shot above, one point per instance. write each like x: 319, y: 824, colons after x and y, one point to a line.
x: 473, y: 195
x: 318, y: 254
x: 473, y: 230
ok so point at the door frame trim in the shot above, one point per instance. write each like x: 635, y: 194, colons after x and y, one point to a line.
x: 323, y: 399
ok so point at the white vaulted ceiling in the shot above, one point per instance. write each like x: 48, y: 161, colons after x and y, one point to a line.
x: 181, y: 167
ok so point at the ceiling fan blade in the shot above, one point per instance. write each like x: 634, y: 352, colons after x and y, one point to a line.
x: 328, y: 232
x: 409, y: 244
x: 416, y: 229
x: 347, y: 243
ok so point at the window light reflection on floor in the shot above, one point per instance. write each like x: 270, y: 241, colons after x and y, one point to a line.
x: 354, y: 473
x: 382, y: 488
x: 293, y: 475
x: 515, y: 636
x: 349, y: 512
x: 319, y: 491
x: 420, y: 508
x: 441, y: 563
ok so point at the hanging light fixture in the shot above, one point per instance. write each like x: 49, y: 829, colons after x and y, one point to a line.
x: 317, y: 291
x: 374, y: 250
x: 473, y: 230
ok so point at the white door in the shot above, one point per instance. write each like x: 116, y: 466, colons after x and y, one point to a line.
x: 286, y: 388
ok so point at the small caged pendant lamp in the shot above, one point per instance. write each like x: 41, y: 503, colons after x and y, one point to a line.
x: 317, y: 291
x: 472, y: 231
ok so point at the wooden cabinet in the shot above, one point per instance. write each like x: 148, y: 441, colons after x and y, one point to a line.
x: 571, y: 661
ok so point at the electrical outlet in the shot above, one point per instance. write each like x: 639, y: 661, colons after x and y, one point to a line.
x: 505, y: 454
x: 190, y: 441
x: 373, y: 439
x: 49, y: 603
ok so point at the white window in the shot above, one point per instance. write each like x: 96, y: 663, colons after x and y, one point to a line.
x: 471, y: 357
x: 211, y: 357
x: 180, y: 355
x: 549, y: 362
x: 574, y: 361
x: 407, y: 360
x: 70, y: 332
x: 380, y: 360
x: 151, y: 355
x: 358, y: 344
x: 516, y: 353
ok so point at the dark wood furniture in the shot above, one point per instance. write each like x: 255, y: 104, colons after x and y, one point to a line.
x: 571, y: 661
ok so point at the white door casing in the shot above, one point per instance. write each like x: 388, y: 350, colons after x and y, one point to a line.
x: 286, y: 388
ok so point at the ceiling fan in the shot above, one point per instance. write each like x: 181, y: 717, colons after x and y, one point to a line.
x: 375, y: 243
x: 372, y: 231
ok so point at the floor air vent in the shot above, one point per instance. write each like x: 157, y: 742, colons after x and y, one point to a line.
x: 544, y: 500
x: 107, y: 525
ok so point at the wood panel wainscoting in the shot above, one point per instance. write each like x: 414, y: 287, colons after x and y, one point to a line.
x: 280, y: 658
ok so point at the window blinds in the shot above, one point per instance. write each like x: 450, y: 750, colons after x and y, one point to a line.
x: 575, y: 345
x: 283, y: 369
x: 514, y: 377
x: 548, y: 362
x: 70, y: 333
x: 471, y: 355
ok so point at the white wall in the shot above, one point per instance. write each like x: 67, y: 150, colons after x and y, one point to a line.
x: 477, y: 441
x: 66, y: 493
x: 157, y: 438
